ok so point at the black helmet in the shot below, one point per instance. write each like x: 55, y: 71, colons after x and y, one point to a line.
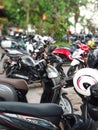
x: 93, y: 59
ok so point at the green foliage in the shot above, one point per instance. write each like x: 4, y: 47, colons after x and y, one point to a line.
x: 55, y: 23
x: 61, y: 44
x: 58, y: 12
x: 14, y: 14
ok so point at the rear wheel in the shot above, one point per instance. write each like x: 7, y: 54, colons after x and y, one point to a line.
x: 73, y: 69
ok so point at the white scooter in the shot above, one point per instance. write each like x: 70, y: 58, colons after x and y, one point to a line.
x: 78, y: 62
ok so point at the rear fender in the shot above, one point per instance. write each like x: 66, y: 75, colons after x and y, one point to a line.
x: 7, y: 92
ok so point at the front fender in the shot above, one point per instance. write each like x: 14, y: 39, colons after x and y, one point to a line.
x: 75, y: 62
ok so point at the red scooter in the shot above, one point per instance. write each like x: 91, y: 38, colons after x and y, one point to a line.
x: 66, y: 52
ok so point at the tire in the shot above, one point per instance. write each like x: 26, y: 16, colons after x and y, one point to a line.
x: 73, y: 69
x: 62, y: 75
x: 65, y: 59
x: 61, y: 71
x: 66, y: 104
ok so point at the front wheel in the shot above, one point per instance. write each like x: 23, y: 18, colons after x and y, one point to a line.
x: 73, y: 69
x: 65, y: 59
x: 66, y: 104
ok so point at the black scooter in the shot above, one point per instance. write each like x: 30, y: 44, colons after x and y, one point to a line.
x: 16, y: 89
x: 49, y: 116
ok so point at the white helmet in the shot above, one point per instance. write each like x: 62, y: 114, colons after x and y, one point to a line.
x: 84, y: 79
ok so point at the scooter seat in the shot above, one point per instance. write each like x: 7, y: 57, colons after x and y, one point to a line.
x: 49, y: 111
x: 17, y: 83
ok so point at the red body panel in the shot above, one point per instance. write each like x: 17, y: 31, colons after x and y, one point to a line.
x: 66, y: 52
x: 84, y: 47
x: 63, y: 51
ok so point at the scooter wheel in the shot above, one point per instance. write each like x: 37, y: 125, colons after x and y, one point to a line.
x: 66, y: 104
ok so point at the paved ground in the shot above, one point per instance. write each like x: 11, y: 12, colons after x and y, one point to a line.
x: 34, y: 94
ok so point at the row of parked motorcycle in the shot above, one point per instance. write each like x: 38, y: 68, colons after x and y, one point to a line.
x: 33, y: 59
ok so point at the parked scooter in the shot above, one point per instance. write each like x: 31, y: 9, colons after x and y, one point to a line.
x: 15, y: 115
x: 66, y: 52
x: 18, y: 61
x: 33, y: 46
x: 16, y: 45
x: 23, y: 116
x: 79, y: 60
x: 50, y: 80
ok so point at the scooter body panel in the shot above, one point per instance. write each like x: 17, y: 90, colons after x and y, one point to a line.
x: 64, y: 52
x: 24, y: 122
x: 7, y: 92
x: 25, y: 116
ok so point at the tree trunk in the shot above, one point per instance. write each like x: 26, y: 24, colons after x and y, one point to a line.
x: 26, y: 5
